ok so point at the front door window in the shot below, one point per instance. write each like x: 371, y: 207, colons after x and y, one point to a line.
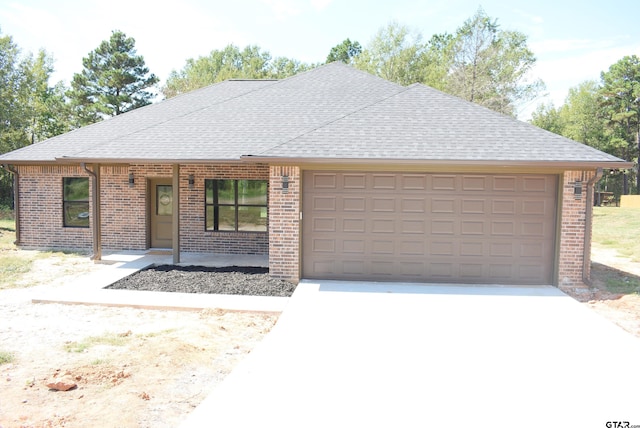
x: 164, y: 200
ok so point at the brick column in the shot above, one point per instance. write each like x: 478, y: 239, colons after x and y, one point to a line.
x: 284, y: 223
x: 572, y: 231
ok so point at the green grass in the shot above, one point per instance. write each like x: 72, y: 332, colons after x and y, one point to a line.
x: 12, y: 266
x: 6, y: 357
x: 623, y: 285
x: 111, y: 339
x: 619, y: 229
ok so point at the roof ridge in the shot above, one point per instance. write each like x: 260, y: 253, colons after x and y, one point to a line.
x: 322, y: 125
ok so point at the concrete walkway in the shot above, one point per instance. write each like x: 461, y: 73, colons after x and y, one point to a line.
x: 89, y: 289
x: 402, y: 355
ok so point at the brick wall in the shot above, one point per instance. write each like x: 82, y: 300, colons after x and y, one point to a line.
x: 125, y: 221
x: 41, y: 218
x: 193, y: 236
x: 284, y: 224
x: 124, y: 209
x: 572, y: 231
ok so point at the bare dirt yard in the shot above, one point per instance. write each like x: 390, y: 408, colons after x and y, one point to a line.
x: 616, y: 289
x: 130, y: 367
x: 150, y: 368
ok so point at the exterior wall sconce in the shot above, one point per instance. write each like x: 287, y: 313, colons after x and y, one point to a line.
x: 577, y: 190
x: 131, y: 180
x: 285, y: 184
x: 192, y: 181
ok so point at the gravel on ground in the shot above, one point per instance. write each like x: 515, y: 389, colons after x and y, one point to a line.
x: 254, y: 281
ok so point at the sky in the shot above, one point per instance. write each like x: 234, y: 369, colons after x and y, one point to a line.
x: 573, y: 40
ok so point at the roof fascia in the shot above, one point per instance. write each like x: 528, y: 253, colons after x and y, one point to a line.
x: 554, y: 165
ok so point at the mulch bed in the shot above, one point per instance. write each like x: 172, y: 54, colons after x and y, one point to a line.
x: 251, y: 281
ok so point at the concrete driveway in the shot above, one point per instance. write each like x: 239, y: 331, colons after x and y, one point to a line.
x: 401, y: 355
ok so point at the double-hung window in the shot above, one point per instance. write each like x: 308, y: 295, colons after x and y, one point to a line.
x: 75, y: 201
x: 236, y: 205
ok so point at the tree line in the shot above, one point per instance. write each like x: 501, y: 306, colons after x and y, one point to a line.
x: 604, y: 114
x: 479, y: 62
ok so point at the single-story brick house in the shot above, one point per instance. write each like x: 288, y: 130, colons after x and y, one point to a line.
x: 334, y: 173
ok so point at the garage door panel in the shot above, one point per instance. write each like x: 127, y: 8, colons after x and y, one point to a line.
x: 354, y: 204
x: 473, y: 249
x: 413, y: 182
x: 440, y: 271
x: 413, y: 205
x: 503, y: 228
x: 383, y: 182
x: 412, y: 248
x: 443, y: 227
x: 324, y: 203
x: 413, y: 226
x: 535, y: 184
x: 442, y: 248
x: 500, y: 272
x: 532, y: 249
x: 383, y: 204
x: 354, y: 181
x: 383, y: 268
x: 443, y: 206
x: 477, y: 228
x: 324, y: 245
x: 474, y: 183
x: 381, y: 225
x: 379, y: 246
x: 325, y: 181
x: 443, y: 182
x: 473, y: 206
x: 353, y: 246
x: 324, y: 224
x: 411, y: 270
x: 471, y: 270
x: 353, y: 267
x: 504, y: 184
x: 503, y: 207
x: 501, y: 249
x: 469, y: 227
x: 535, y: 208
x: 532, y: 228
x: 353, y: 225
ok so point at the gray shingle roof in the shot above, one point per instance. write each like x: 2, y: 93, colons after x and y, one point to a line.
x: 331, y: 112
x: 423, y: 123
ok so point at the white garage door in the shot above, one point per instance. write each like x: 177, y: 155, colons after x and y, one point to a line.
x: 456, y: 228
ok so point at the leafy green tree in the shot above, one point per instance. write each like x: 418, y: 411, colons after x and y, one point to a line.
x: 437, y: 61
x: 583, y: 117
x: 395, y: 53
x: 114, y: 80
x: 345, y: 52
x: 546, y: 116
x: 230, y: 63
x: 282, y: 67
x: 30, y: 110
x: 13, y: 109
x: 621, y: 103
x: 489, y: 66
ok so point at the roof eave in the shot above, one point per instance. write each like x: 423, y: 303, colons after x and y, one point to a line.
x: 562, y: 164
x: 77, y: 160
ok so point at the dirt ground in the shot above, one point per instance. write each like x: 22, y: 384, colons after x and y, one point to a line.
x: 132, y: 367
x: 622, y: 309
x: 150, y: 368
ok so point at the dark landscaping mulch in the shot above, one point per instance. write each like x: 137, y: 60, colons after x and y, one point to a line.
x: 252, y: 281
